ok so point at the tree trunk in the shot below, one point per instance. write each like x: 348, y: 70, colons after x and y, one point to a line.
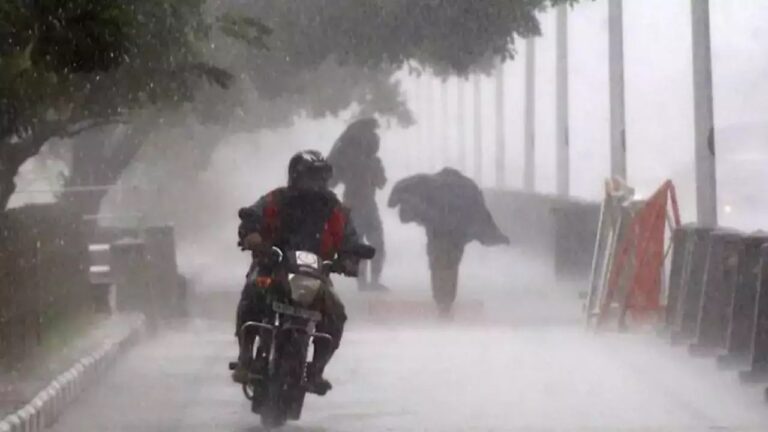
x: 98, y: 161
x: 7, y: 186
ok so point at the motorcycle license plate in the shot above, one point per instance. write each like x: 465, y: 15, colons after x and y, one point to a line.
x: 298, y: 312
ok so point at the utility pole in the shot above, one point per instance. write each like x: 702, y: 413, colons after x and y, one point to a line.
x: 562, y: 152
x: 460, y: 131
x: 706, y: 180
x: 478, y: 125
x: 616, y: 88
x: 429, y: 124
x: 529, y: 153
x: 443, y: 149
x: 501, y: 153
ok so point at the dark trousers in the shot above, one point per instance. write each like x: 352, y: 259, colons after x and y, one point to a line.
x: 370, y: 229
x: 445, y: 253
x: 253, y: 306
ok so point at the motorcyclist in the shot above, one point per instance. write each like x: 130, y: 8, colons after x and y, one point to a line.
x: 305, y: 215
x: 357, y: 166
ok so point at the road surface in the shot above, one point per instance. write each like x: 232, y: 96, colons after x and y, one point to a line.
x: 432, y: 377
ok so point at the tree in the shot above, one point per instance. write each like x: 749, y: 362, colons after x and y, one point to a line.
x: 313, y: 58
x: 324, y: 57
x: 74, y: 65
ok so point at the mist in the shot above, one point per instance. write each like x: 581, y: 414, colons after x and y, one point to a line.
x: 659, y: 127
x: 516, y: 353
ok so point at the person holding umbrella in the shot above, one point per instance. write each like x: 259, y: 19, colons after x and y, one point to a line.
x: 452, y: 210
x: 357, y: 166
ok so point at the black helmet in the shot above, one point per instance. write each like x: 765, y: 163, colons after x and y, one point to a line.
x: 309, y: 169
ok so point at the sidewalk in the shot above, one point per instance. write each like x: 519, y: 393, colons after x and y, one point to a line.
x: 19, y: 386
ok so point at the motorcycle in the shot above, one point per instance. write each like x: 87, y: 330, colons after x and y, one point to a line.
x: 277, y: 371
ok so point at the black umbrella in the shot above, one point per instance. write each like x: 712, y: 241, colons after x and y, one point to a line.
x: 446, y: 202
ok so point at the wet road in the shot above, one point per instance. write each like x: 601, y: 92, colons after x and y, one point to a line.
x: 432, y: 378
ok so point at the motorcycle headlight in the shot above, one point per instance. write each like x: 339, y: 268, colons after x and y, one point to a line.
x: 304, y: 289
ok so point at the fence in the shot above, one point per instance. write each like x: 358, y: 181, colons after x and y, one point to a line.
x: 716, y: 303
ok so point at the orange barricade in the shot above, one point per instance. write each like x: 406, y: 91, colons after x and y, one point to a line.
x: 635, y: 276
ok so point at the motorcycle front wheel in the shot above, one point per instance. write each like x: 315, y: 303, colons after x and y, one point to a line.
x: 274, y: 413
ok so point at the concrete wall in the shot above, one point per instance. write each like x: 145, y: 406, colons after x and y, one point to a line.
x: 561, y: 230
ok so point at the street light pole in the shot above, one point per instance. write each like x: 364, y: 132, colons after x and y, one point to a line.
x: 616, y: 89
x: 529, y: 152
x: 706, y: 180
x: 478, y: 125
x: 501, y: 154
x: 443, y: 149
x: 460, y: 119
x: 429, y: 124
x: 562, y: 153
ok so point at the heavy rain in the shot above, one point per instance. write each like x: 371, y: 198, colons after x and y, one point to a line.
x: 383, y: 215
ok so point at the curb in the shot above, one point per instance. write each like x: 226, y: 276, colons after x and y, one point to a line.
x: 42, y: 411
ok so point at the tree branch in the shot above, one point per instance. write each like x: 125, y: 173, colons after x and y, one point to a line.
x: 84, y: 126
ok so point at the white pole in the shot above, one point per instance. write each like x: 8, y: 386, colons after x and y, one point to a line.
x: 616, y: 88
x: 443, y: 148
x: 429, y: 125
x: 501, y: 153
x: 561, y: 120
x: 460, y: 119
x: 478, y: 141
x: 706, y: 180
x: 529, y: 153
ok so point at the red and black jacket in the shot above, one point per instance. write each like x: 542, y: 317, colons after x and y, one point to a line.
x: 291, y: 219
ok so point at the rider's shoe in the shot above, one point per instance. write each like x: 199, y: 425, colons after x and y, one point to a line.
x: 316, y: 383
x: 319, y: 386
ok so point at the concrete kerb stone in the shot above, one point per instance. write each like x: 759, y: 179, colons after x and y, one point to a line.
x: 54, y: 393
x: 60, y: 395
x: 25, y: 419
x: 37, y: 421
x: 38, y: 404
x: 14, y: 423
x: 49, y: 404
x: 33, y: 418
x: 66, y: 385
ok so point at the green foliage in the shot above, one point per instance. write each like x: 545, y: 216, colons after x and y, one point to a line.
x: 80, y: 60
x: 451, y: 36
x: 70, y: 65
x: 325, y: 55
x: 245, y: 28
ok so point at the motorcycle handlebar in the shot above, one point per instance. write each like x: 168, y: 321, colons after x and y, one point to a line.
x: 339, y: 265
x: 361, y: 250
